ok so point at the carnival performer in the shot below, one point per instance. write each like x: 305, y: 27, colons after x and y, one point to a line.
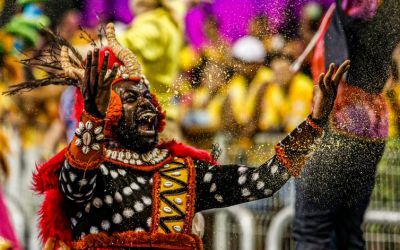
x: 117, y: 186
x: 334, y: 191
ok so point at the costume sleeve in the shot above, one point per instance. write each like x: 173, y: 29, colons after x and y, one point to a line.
x: 227, y: 185
x: 77, y: 185
x: 85, y: 153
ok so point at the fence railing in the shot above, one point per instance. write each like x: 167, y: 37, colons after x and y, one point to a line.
x: 272, y: 217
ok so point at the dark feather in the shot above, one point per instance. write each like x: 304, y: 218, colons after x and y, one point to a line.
x: 33, y: 84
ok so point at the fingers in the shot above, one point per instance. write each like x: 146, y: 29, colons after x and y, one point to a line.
x: 321, y: 82
x: 93, y: 71
x: 113, y: 73
x: 339, y: 74
x: 103, y: 70
x: 328, y: 77
x: 85, y: 84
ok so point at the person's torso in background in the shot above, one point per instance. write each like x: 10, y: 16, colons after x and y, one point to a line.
x: 156, y: 40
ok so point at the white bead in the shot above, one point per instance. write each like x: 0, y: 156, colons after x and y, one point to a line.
x: 166, y: 166
x: 104, y: 169
x: 242, y: 169
x: 85, y: 149
x: 146, y: 200
x: 72, y: 176
x: 260, y: 185
x: 213, y: 188
x: 268, y: 192
x: 219, y: 198
x: 178, y: 201
x: 121, y: 156
x: 245, y: 192
x: 255, y: 176
x: 78, y: 142
x: 114, y: 155
x: 86, y: 138
x: 134, y: 186
x: 127, y: 191
x: 128, y: 213
x: 128, y: 155
x: 242, y: 179
x: 105, y: 225
x: 98, y: 130
x: 117, y: 218
x: 139, y: 229
x: 122, y: 172
x: 89, y: 125
x: 97, y: 202
x: 177, y: 228
x: 93, y: 230
x: 96, y: 147
x: 207, y: 177
x: 141, y: 180
x: 274, y: 168
x: 167, y: 210
x: 100, y: 137
x: 81, y: 126
x: 114, y: 174
x: 108, y: 199
x: 138, y: 206
x: 139, y: 162
x: 74, y: 221
x: 118, y: 196
x: 176, y: 173
x: 148, y: 222
x: 87, y: 208
x: 168, y: 184
x: 108, y: 153
x: 132, y: 161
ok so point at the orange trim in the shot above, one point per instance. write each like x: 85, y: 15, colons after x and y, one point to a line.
x: 116, y: 80
x: 87, y: 163
x: 144, y: 168
x: 190, y: 204
x: 140, y: 240
x: 314, y: 125
x: 155, y: 215
x: 285, y: 161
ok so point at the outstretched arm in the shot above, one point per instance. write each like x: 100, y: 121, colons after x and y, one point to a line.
x: 226, y: 185
x: 78, y: 174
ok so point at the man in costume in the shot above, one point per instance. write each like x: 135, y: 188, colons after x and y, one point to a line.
x: 116, y: 186
x: 331, y: 210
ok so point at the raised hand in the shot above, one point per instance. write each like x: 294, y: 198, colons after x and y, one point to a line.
x: 325, y: 95
x: 96, y: 87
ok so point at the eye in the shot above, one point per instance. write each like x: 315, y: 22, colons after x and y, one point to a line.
x: 130, y: 97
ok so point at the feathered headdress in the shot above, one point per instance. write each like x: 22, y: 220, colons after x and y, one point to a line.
x: 65, y: 66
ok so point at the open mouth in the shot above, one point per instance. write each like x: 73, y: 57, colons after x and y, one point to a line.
x: 146, y: 123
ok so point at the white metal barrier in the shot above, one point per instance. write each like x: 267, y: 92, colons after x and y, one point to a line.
x: 282, y: 219
x: 244, y: 219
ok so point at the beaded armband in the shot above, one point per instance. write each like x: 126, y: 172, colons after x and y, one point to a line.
x: 86, y: 148
x: 296, y: 148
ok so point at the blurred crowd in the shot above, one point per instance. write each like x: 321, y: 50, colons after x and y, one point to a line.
x: 230, y: 91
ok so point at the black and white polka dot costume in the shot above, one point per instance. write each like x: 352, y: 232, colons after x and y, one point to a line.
x: 113, y: 198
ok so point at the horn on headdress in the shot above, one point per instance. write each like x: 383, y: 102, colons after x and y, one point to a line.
x: 70, y: 70
x: 131, y: 64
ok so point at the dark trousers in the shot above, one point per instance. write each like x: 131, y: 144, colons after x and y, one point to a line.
x: 333, y: 193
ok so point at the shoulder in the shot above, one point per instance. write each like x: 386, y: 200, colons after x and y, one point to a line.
x: 178, y: 149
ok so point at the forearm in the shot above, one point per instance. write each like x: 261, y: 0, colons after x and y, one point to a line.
x: 296, y: 148
x: 86, y: 148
